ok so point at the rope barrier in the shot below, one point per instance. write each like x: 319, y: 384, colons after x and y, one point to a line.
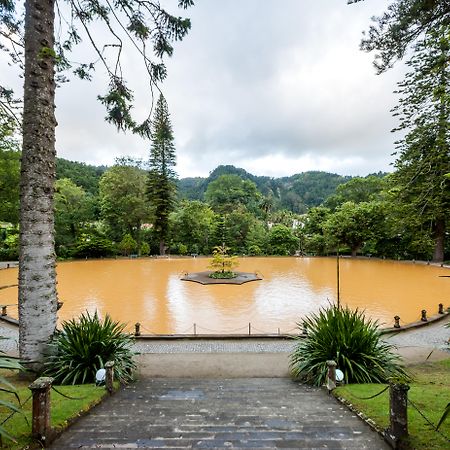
x: 67, y: 396
x: 368, y: 398
x: 428, y: 421
x: 15, y: 412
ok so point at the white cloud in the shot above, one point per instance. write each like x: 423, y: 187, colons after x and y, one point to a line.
x: 276, y: 87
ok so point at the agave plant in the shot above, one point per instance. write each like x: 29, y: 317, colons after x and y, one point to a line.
x: 83, y: 346
x: 349, y: 338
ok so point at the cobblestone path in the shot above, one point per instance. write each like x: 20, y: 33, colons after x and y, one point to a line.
x: 258, y: 413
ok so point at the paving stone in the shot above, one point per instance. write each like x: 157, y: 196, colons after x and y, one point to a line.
x: 264, y: 413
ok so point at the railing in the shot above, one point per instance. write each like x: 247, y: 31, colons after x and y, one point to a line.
x: 249, y: 329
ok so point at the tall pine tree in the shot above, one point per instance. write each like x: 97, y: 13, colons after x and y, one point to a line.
x: 423, y: 158
x: 161, y: 185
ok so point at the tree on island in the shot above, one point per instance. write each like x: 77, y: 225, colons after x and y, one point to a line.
x: 146, y: 22
x: 161, y: 183
x: 222, y: 263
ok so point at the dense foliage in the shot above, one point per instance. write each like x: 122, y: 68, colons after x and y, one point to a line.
x: 85, y: 345
x: 349, y: 338
x: 364, y: 216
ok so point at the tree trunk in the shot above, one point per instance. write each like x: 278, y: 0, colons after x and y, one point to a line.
x: 37, y: 278
x: 439, y: 240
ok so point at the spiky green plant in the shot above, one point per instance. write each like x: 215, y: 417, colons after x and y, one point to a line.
x: 9, y: 363
x: 84, y: 345
x: 349, y: 338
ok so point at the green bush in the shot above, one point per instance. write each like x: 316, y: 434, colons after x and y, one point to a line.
x: 349, y: 338
x: 93, y: 247
x: 83, y: 346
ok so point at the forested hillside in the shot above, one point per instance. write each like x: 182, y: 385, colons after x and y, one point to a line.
x: 296, y: 193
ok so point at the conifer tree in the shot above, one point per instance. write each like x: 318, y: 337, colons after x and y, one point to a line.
x: 161, y: 185
x: 422, y: 179
x: 401, y: 26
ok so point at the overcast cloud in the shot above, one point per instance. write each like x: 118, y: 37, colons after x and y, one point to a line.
x: 275, y: 86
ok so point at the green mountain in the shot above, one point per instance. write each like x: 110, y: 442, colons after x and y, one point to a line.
x: 296, y: 193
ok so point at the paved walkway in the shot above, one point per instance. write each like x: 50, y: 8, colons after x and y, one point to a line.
x: 268, y: 413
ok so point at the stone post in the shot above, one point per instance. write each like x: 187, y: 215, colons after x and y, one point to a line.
x: 331, y: 376
x: 441, y: 308
x: 40, y: 426
x: 397, y: 322
x: 137, y: 329
x: 424, y: 316
x: 4, y: 311
x: 398, y: 409
x: 109, y: 377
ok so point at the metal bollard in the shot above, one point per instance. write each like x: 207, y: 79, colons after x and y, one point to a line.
x: 40, y: 427
x: 397, y: 322
x: 424, y: 316
x: 109, y: 377
x: 398, y: 409
x: 441, y: 308
x: 137, y: 329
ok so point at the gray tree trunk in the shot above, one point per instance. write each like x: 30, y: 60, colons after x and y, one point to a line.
x: 37, y: 278
x: 439, y: 241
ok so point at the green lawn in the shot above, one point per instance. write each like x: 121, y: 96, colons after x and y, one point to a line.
x: 430, y: 392
x: 62, y: 409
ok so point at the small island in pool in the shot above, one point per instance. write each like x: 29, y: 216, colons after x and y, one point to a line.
x: 205, y: 278
x: 223, y: 273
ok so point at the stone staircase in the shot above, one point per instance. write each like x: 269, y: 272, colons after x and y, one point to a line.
x: 251, y: 413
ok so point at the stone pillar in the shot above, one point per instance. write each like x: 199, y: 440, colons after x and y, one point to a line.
x: 137, y: 329
x: 109, y: 377
x: 397, y: 322
x: 40, y: 427
x: 4, y: 310
x: 424, y: 316
x: 441, y: 308
x: 331, y: 376
x: 398, y: 411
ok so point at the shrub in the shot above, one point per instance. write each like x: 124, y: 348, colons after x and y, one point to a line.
x: 349, y: 338
x: 93, y: 247
x: 127, y: 245
x: 83, y: 346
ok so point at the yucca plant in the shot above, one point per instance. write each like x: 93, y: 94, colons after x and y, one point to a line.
x: 349, y: 338
x: 84, y: 345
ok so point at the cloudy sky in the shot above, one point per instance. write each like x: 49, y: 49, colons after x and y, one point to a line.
x: 276, y: 86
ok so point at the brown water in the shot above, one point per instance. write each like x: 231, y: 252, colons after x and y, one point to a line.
x: 149, y: 291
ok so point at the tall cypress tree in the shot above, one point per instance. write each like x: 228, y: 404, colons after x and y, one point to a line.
x: 161, y: 185
x: 423, y: 159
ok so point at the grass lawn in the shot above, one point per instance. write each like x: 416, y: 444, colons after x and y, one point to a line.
x: 430, y: 392
x: 62, y: 409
